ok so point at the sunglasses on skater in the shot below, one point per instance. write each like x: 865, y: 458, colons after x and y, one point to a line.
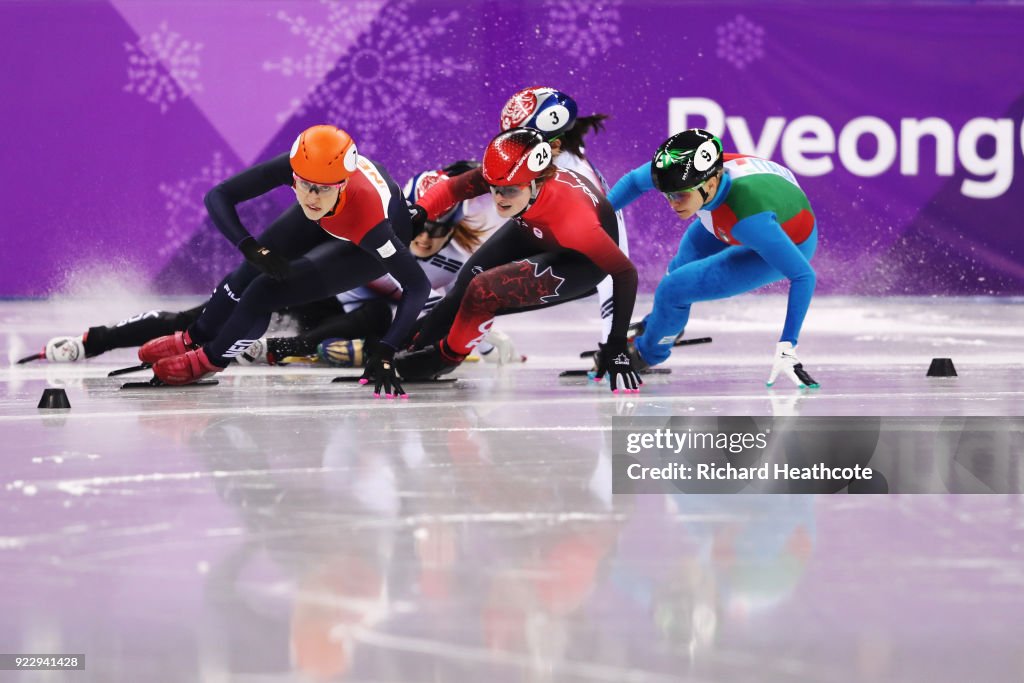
x: 307, y: 186
x: 507, y: 190
x: 680, y: 195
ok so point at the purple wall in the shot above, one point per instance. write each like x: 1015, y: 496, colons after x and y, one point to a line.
x: 119, y: 115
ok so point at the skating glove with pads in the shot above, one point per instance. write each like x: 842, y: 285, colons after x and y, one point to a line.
x: 613, y: 359
x: 787, y: 363
x: 380, y: 369
x: 265, y: 260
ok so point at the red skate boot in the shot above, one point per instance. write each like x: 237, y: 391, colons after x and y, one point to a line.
x: 186, y: 368
x: 165, y: 347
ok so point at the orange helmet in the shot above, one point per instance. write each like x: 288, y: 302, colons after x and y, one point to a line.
x: 324, y: 155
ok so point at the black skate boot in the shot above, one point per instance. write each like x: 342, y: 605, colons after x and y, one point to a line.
x: 429, y: 362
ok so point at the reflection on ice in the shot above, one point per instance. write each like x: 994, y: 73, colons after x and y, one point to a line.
x: 278, y: 527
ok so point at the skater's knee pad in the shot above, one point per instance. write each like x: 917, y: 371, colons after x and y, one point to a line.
x: 238, y: 280
x: 262, y: 295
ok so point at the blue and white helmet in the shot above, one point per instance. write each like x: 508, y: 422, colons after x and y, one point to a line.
x: 546, y: 110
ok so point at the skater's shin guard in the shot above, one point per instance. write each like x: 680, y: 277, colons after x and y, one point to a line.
x: 221, y: 305
x: 475, y: 317
x: 466, y: 335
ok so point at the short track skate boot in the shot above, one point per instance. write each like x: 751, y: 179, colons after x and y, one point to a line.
x: 342, y: 353
x: 65, y: 350
x: 165, y: 347
x: 186, y: 368
x: 636, y: 329
x: 428, y: 363
x: 258, y: 353
x: 639, y: 364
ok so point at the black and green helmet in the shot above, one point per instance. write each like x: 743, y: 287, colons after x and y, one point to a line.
x: 686, y: 160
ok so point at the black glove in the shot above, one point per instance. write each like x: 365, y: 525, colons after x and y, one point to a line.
x: 381, y: 369
x: 418, y: 218
x: 613, y: 359
x: 265, y: 260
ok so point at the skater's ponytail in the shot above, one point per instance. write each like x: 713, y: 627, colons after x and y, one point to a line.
x: 467, y: 237
x: 572, y: 139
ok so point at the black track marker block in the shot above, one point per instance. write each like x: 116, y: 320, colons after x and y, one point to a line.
x: 942, y: 367
x: 54, y: 399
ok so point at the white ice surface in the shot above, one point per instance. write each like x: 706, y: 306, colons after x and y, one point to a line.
x: 278, y: 527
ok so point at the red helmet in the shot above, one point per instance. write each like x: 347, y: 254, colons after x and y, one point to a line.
x: 324, y: 155
x: 516, y: 157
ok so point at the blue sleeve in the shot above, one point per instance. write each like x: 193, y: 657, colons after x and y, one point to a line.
x: 762, y: 233
x: 403, y: 267
x: 631, y: 186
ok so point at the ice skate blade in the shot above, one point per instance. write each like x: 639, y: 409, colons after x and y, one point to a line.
x: 133, y: 368
x: 157, y: 384
x: 584, y: 373
x: 678, y: 342
x: 352, y: 379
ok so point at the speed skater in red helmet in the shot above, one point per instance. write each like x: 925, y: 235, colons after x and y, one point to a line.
x: 559, y: 245
x: 555, y: 115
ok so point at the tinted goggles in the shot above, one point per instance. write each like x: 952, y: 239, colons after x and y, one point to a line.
x: 316, y: 188
x: 507, y: 190
x: 680, y: 195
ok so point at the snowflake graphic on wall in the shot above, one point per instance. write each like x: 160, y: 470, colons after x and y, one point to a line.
x: 183, y: 200
x: 326, y: 38
x: 163, y: 67
x: 583, y: 30
x: 383, y: 84
x: 740, y: 42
